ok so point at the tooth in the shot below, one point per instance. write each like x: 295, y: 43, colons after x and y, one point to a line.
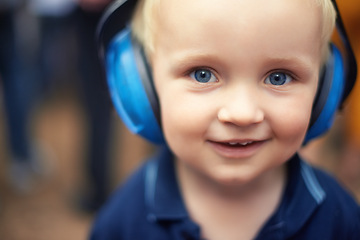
x: 242, y: 144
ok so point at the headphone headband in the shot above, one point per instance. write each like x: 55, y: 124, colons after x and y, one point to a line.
x: 114, y: 20
x: 350, y: 71
x: 351, y: 65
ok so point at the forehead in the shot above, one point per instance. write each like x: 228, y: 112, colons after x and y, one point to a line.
x: 201, y: 9
x: 239, y: 22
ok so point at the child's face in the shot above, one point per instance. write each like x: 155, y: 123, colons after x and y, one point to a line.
x: 236, y: 81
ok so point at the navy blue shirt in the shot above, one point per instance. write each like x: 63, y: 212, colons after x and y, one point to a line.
x: 149, y: 206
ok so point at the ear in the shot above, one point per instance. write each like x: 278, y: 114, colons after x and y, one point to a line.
x: 329, y: 96
x: 131, y: 87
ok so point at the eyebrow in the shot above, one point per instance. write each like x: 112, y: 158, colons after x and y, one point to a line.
x: 195, y: 56
x: 304, y: 64
x: 188, y: 58
x: 198, y: 55
x: 291, y: 60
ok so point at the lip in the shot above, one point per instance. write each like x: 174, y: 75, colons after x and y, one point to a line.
x: 243, y: 149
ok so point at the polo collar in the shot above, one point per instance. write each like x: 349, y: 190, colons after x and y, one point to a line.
x: 302, y: 196
x: 162, y: 192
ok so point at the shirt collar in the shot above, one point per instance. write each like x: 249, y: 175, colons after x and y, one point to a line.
x: 302, y: 195
x: 162, y: 192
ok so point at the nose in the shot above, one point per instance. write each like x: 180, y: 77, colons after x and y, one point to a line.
x: 241, y: 107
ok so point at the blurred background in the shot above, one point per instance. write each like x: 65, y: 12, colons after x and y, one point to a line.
x: 63, y: 149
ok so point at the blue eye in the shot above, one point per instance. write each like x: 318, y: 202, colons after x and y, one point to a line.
x: 278, y: 79
x: 203, y: 76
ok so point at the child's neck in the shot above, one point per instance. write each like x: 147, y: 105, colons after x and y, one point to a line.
x: 231, y: 212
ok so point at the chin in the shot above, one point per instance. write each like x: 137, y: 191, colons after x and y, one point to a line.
x: 234, y: 181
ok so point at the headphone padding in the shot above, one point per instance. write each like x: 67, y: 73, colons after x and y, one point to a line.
x: 334, y: 77
x: 127, y: 91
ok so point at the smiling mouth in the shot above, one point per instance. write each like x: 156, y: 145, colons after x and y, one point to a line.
x: 238, y: 144
x: 237, y: 149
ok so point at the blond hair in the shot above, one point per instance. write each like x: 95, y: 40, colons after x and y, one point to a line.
x: 144, y: 23
x: 328, y: 24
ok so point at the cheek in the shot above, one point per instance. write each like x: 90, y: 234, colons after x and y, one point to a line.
x: 181, y: 129
x: 186, y: 118
x: 294, y: 112
x: 292, y: 122
x: 180, y: 116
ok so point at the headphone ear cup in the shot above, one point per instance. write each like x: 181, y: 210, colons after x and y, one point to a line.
x: 127, y: 90
x: 330, y: 91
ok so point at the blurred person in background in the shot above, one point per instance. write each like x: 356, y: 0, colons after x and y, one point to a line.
x: 55, y: 64
x: 97, y: 104
x: 63, y: 22
x: 18, y: 95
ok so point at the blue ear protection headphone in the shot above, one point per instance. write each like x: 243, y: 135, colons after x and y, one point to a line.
x: 134, y: 96
x: 128, y: 73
